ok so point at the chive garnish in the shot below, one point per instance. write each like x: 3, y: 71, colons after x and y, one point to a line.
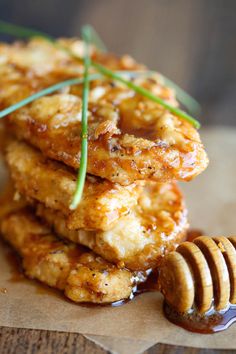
x: 182, y: 96
x: 45, y: 92
x: 109, y: 73
x: 95, y: 38
x: 24, y: 32
x: 58, y: 86
x: 84, y: 133
x: 188, y: 101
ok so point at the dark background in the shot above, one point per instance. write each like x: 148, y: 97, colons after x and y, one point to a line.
x: 193, y: 42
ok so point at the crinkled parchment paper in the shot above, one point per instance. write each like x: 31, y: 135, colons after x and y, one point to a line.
x: 140, y: 323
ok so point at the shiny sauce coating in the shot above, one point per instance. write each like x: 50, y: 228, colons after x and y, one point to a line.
x: 211, y: 322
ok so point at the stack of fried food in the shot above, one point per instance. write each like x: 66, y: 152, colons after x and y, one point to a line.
x: 132, y: 211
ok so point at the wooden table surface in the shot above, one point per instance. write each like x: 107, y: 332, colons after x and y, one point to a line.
x: 25, y: 341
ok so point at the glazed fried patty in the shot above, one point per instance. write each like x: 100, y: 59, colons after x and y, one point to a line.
x: 78, y: 272
x: 138, y: 240
x: 53, y: 184
x: 130, y: 137
x: 154, y: 222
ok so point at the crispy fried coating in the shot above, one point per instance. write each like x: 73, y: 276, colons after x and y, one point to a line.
x: 130, y: 137
x: 53, y: 184
x: 138, y: 240
x: 78, y: 272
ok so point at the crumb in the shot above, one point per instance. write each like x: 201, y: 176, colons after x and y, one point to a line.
x: 221, y: 247
x: 3, y: 290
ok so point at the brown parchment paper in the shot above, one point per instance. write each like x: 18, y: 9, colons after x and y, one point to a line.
x: 211, y: 200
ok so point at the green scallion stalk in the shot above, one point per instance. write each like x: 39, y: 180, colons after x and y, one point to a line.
x: 183, y: 97
x: 58, y: 86
x: 22, y: 32
x: 188, y: 101
x: 109, y: 73
x: 46, y: 91
x: 95, y: 38
x: 84, y: 133
x: 139, y: 89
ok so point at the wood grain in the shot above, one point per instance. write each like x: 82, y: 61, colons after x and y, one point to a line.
x: 172, y: 349
x: 27, y: 341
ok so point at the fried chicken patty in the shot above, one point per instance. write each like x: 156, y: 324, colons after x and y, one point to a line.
x: 130, y: 137
x: 138, y: 240
x: 78, y: 272
x: 54, y: 184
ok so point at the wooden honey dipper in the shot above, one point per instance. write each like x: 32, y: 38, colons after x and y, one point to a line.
x: 200, y: 274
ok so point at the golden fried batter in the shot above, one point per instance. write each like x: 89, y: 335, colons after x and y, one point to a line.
x: 130, y: 137
x: 138, y: 240
x: 53, y: 184
x: 82, y: 275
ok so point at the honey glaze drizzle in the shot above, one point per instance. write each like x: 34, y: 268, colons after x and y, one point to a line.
x: 193, y: 321
x: 211, y: 322
x: 149, y: 285
x: 143, y: 281
x: 17, y: 274
x: 14, y: 262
